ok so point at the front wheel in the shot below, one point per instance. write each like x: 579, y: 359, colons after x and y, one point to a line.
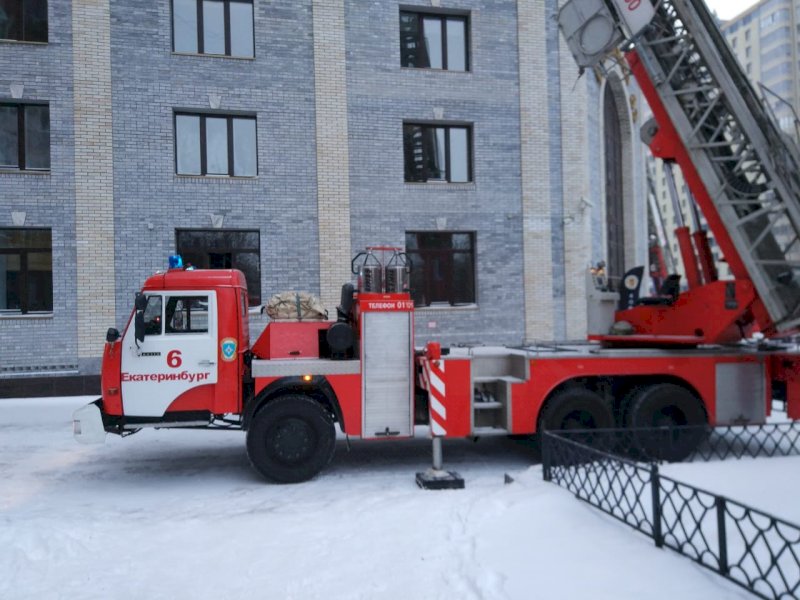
x: 291, y: 439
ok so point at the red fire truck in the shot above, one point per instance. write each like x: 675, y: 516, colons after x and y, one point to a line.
x: 185, y: 358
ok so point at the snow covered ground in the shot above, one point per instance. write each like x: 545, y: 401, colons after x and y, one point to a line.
x: 767, y: 484
x: 180, y: 514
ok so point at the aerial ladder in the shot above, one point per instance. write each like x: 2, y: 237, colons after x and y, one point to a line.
x: 742, y: 171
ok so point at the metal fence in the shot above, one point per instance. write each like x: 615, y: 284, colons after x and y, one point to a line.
x: 671, y: 444
x: 617, y: 471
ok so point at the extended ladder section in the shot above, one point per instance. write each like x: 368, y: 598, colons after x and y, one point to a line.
x: 748, y: 171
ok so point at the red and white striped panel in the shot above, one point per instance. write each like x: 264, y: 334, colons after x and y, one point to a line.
x: 436, y: 397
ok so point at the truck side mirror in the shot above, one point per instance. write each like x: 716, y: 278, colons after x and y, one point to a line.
x: 138, y: 319
x: 140, y: 302
x: 138, y: 325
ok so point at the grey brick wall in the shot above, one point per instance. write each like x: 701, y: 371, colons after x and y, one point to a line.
x: 150, y: 82
x: 522, y: 196
x: 381, y: 96
x: 31, y: 344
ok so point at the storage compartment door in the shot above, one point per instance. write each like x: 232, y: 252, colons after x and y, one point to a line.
x: 741, y: 393
x: 388, y: 390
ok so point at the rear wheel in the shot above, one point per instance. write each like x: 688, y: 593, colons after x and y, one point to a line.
x: 576, y: 408
x: 674, y: 409
x: 291, y: 439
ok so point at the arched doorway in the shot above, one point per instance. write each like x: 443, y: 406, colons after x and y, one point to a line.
x: 615, y: 214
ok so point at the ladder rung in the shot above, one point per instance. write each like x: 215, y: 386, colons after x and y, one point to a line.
x: 759, y: 213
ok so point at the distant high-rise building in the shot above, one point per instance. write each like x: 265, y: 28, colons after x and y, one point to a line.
x: 764, y: 39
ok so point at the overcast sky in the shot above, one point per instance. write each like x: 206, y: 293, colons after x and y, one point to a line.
x: 727, y: 9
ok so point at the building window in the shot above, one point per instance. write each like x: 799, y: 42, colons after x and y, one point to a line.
x: 221, y: 27
x: 430, y: 41
x: 215, y: 145
x: 26, y: 271
x: 25, y: 137
x: 437, y: 153
x: 23, y: 20
x: 224, y: 249
x: 443, y: 267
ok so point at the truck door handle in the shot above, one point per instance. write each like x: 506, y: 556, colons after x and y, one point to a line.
x: 206, y: 363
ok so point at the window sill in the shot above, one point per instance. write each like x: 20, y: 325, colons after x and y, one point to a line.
x: 432, y: 70
x: 180, y: 177
x: 22, y: 42
x: 466, y: 185
x: 205, y: 55
x: 447, y: 307
x: 25, y: 317
x: 6, y: 171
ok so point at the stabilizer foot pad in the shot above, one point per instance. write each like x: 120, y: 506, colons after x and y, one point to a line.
x: 440, y: 480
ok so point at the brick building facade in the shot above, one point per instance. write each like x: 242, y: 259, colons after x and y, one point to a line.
x: 284, y: 136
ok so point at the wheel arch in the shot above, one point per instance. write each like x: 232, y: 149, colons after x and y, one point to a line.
x: 318, y: 389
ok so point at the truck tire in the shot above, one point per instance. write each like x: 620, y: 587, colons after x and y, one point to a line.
x: 666, y: 405
x: 576, y: 408
x: 291, y: 439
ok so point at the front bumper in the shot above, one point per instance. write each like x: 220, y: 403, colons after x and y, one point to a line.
x: 87, y: 424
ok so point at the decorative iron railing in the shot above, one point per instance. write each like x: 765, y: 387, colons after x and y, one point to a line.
x: 617, y: 471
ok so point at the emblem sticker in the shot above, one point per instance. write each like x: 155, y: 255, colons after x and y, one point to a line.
x: 228, y: 348
x: 631, y: 282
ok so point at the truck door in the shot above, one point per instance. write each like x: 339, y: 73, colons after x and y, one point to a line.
x: 177, y: 357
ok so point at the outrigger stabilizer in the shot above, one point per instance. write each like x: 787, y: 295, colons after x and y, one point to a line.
x: 436, y: 478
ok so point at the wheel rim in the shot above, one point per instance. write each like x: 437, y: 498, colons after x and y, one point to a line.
x: 291, y: 441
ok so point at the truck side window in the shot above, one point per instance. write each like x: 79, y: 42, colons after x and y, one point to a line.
x: 187, y: 314
x: 152, y: 316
